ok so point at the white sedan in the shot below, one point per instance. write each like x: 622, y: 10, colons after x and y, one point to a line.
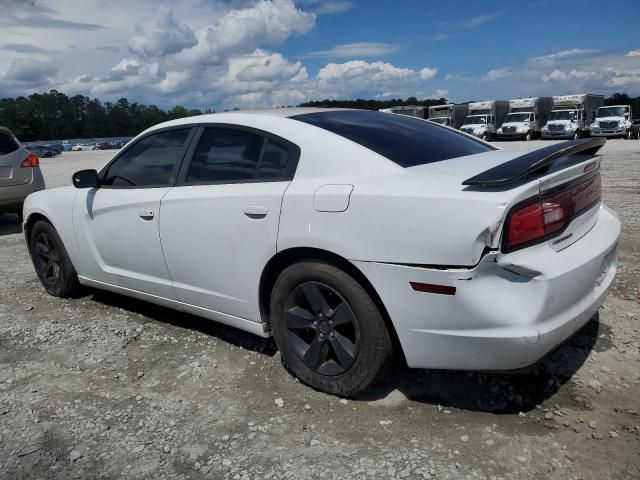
x: 347, y: 235
x: 81, y: 147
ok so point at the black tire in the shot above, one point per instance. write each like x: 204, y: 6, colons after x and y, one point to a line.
x: 576, y: 135
x: 528, y: 137
x: 51, y: 261
x: 341, y: 347
x: 485, y: 137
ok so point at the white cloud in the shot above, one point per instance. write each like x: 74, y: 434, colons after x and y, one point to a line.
x: 555, y: 76
x: 358, y: 49
x: 479, y: 20
x: 552, y: 57
x: 241, y: 31
x: 29, y: 72
x: 497, y: 74
x: 324, y: 7
x: 559, y: 75
x: 440, y: 37
x: 161, y: 35
x: 357, y: 76
x: 428, y: 73
x: 439, y: 93
x: 633, y: 53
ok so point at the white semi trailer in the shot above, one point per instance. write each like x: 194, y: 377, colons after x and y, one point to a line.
x: 485, y: 118
x: 451, y: 115
x: 410, y: 110
x: 526, y: 118
x: 572, y: 116
x: 613, y: 121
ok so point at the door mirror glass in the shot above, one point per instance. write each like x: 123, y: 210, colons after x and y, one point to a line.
x: 86, y: 179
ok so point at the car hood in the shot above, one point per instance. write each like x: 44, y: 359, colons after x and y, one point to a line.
x: 515, y: 124
x: 559, y: 122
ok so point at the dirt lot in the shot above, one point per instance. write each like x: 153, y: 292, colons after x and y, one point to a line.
x: 106, y: 387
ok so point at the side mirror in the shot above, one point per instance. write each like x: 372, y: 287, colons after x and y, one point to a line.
x: 86, y: 179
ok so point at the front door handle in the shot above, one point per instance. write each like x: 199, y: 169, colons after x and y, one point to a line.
x: 146, y: 214
x: 255, y: 212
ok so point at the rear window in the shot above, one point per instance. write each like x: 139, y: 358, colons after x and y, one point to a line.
x: 8, y: 144
x: 404, y: 140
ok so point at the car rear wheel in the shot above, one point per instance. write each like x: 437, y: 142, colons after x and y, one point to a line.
x: 329, y: 331
x: 51, y: 261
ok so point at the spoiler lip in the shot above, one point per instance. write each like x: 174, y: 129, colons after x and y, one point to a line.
x: 531, y: 162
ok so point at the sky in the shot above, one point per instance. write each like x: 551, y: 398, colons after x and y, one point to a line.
x: 260, y: 53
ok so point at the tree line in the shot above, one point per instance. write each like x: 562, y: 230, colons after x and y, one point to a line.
x: 55, y: 116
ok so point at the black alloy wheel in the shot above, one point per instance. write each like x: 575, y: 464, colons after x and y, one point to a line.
x: 321, y: 328
x: 51, y: 261
x: 47, y: 260
x: 329, y: 330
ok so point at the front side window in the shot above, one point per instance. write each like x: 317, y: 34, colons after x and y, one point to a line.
x: 225, y: 155
x: 149, y: 162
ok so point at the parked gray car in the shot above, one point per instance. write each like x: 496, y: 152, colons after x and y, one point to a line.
x: 20, y: 173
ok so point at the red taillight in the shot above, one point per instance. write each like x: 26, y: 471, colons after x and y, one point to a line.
x: 31, y: 161
x: 550, y: 213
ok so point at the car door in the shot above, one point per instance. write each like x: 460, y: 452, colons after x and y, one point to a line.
x: 219, y: 225
x: 117, y: 224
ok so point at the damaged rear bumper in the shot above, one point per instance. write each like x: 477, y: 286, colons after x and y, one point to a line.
x: 508, y: 311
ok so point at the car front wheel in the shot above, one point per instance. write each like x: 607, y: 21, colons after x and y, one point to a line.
x: 51, y: 261
x: 330, y: 333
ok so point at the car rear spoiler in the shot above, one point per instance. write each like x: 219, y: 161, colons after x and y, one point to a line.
x: 533, y: 162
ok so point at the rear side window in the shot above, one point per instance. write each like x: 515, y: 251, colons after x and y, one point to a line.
x: 149, y: 162
x: 225, y: 155
x: 8, y: 144
x: 275, y: 161
x: 404, y: 140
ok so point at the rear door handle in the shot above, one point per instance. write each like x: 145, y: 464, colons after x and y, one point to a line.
x: 255, y: 212
x: 146, y: 214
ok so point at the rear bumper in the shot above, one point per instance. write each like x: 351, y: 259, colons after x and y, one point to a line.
x: 499, y: 319
x: 12, y: 197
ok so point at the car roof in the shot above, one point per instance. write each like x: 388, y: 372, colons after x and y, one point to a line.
x: 285, y: 112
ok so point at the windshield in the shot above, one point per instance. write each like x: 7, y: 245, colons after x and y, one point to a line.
x: 440, y: 120
x: 517, y: 117
x: 475, y: 120
x: 612, y: 111
x: 563, y: 115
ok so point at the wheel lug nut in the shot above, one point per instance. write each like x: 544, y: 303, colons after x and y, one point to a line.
x: 322, y: 335
x: 331, y: 322
x: 315, y: 322
x: 331, y: 335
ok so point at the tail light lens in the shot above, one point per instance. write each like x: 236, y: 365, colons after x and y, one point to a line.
x: 32, y: 161
x: 547, y: 215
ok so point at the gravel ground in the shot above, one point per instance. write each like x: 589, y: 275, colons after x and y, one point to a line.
x: 103, y: 386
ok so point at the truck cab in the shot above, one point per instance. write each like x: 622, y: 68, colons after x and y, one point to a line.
x: 518, y: 125
x: 613, y: 121
x: 572, y: 116
x: 564, y: 123
x: 478, y: 125
x: 525, y: 118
